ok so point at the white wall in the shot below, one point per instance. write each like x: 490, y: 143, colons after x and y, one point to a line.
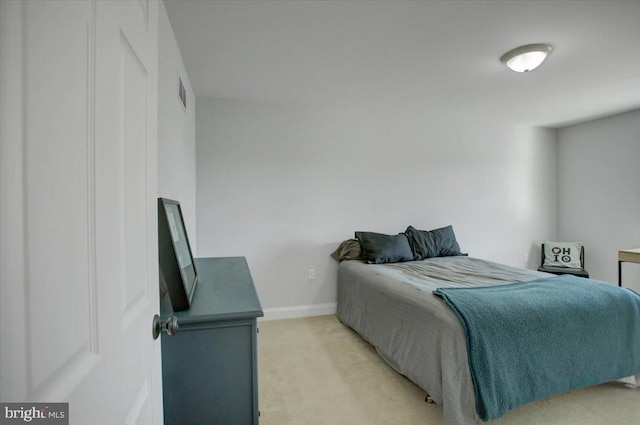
x: 176, y: 129
x: 283, y: 185
x: 599, y: 192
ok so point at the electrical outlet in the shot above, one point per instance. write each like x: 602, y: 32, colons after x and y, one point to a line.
x: 311, y: 274
x: 525, y: 257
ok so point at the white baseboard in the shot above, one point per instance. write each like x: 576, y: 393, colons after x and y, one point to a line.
x: 299, y: 311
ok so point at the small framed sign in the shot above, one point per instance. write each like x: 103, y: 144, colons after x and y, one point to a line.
x: 177, y: 268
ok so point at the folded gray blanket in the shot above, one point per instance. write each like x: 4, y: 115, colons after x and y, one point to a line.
x: 530, y: 340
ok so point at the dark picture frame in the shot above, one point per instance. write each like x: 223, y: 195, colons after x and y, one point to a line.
x: 177, y: 268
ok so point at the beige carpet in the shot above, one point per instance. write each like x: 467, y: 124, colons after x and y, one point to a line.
x: 317, y: 371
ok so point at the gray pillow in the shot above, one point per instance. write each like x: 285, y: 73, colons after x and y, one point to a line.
x: 378, y: 248
x: 433, y: 243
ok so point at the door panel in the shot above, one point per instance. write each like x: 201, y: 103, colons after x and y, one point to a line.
x: 57, y: 197
x: 78, y: 189
x: 133, y: 90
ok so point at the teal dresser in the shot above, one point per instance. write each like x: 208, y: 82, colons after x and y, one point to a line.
x: 210, y: 366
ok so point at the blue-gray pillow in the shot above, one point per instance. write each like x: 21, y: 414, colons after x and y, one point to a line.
x: 433, y: 243
x: 378, y: 248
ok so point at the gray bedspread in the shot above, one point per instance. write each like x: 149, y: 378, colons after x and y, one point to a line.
x: 392, y: 306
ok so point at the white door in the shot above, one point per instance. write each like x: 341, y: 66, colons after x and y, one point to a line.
x: 79, y: 274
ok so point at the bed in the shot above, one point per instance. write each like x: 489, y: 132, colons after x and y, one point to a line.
x: 393, y: 307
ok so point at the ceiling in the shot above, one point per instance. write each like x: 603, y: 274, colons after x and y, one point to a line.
x: 437, y: 57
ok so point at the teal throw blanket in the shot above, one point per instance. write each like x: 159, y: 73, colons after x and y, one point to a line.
x: 530, y: 340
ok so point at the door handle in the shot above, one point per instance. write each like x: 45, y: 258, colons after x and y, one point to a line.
x: 170, y: 326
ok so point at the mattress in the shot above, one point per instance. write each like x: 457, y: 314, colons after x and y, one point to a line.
x: 392, y: 307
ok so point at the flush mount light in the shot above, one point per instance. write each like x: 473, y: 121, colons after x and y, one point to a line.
x: 526, y: 58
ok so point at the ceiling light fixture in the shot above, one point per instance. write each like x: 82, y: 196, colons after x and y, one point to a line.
x: 526, y: 58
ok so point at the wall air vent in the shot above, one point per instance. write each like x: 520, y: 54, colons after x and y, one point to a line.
x: 182, y: 93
